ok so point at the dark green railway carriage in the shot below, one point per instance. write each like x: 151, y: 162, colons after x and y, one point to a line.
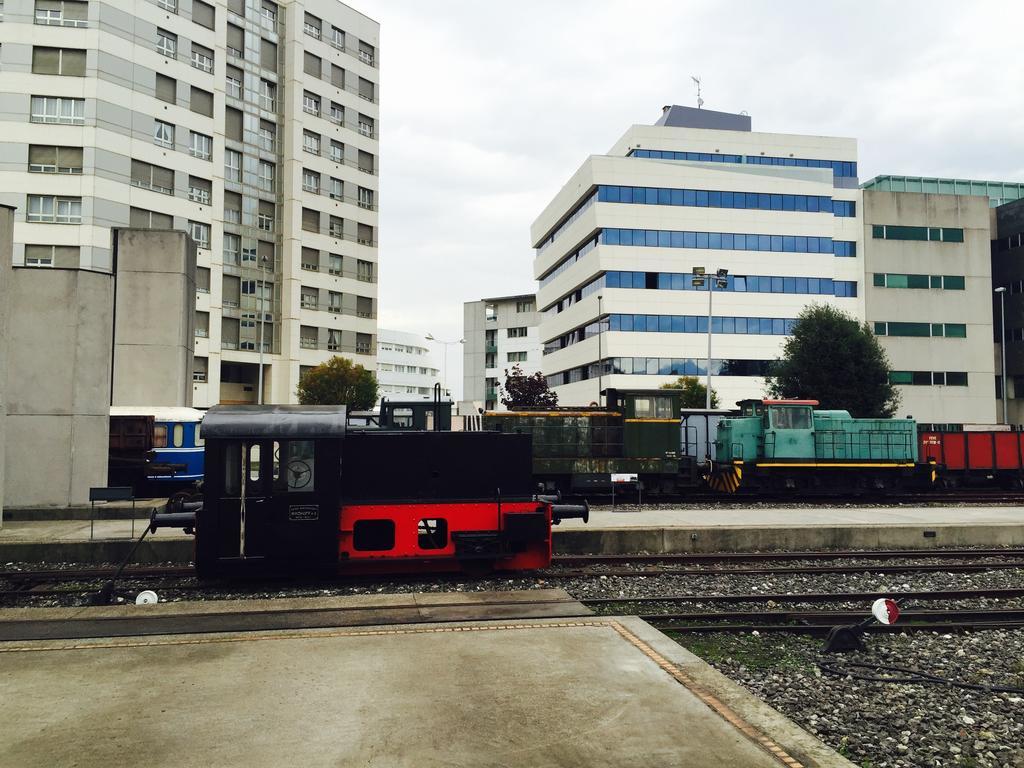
x: 579, y: 449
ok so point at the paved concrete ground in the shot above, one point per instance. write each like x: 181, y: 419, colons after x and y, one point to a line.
x: 585, y: 692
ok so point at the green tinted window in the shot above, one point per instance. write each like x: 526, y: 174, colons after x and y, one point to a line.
x: 956, y: 330
x: 917, y: 281
x: 955, y: 379
x: 878, y: 231
x: 900, y: 377
x: 880, y: 329
x: 908, y: 329
x: 906, y: 233
x: 938, y: 378
x: 879, y: 279
x: 921, y: 378
x: 896, y: 281
x: 953, y: 282
x: 936, y: 329
x: 936, y: 281
x: 934, y: 233
x: 952, y: 235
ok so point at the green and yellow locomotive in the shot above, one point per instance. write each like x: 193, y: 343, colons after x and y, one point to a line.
x: 787, y: 445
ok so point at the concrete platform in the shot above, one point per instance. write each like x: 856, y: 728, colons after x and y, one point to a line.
x: 608, y: 532
x: 576, y: 692
x: 801, y: 528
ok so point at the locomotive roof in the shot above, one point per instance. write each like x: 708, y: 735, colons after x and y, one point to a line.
x: 159, y: 413
x: 291, y: 421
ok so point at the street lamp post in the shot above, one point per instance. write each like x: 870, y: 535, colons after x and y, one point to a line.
x: 1002, y: 347
x: 444, y: 362
x: 721, y: 280
x: 263, y: 317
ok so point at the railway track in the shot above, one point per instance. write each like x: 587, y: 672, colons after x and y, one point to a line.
x: 946, y: 497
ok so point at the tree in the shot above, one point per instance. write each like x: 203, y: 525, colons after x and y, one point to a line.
x: 833, y: 359
x: 338, y: 381
x: 695, y: 394
x: 526, y: 391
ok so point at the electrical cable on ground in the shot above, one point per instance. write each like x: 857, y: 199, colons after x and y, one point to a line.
x: 912, y: 676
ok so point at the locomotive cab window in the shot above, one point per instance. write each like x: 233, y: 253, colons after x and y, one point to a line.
x: 791, y: 418
x: 652, y: 407
x: 752, y: 409
x: 373, y: 535
x: 199, y: 436
x: 432, y: 533
x: 160, y: 436
x: 178, y: 435
x: 299, y: 472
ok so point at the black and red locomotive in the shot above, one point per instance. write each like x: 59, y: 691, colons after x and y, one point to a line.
x: 290, y: 489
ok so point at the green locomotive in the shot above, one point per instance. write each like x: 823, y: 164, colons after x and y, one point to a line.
x: 581, y: 449
x: 787, y: 445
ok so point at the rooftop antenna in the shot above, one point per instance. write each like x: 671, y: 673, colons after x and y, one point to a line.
x: 700, y: 101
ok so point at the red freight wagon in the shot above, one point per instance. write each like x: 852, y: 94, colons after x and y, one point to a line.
x: 991, y: 454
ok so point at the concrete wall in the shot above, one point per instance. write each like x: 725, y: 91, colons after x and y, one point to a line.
x: 972, y: 306
x: 6, y: 273
x: 58, y: 385
x: 154, y: 317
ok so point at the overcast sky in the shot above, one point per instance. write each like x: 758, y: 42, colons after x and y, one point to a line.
x: 487, y: 109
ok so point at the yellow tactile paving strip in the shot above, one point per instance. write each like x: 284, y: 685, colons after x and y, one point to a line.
x: 709, y: 699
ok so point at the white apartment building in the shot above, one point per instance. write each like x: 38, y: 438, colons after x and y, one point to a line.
x: 617, y: 246
x: 251, y: 124
x: 499, y: 333
x: 406, y: 366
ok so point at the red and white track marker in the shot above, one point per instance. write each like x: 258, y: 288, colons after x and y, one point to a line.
x: 886, y: 610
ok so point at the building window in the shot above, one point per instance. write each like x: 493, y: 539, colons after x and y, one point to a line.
x: 337, y: 114
x: 168, y: 5
x: 337, y: 76
x: 201, y: 102
x: 365, y: 162
x: 232, y: 165
x: 166, y: 89
x: 166, y: 43
x: 947, y: 330
x: 310, y: 297
x: 516, y: 357
x: 334, y: 264
x: 60, y: 13
x: 266, y: 173
x: 153, y: 177
x: 311, y: 64
x: 364, y: 234
x: 140, y: 218
x: 202, y: 58
x: 336, y: 227
x: 232, y: 248
x: 199, y: 190
x: 337, y: 38
x: 525, y: 306
x: 199, y: 367
x: 364, y: 270
x: 268, y: 95
x: 54, y: 256
x: 58, y: 61
x: 311, y: 142
x: 57, y: 109
x: 202, y: 329
x: 310, y: 181
x: 311, y: 26
x: 310, y: 220
x: 337, y: 152
x: 235, y: 41
x: 56, y: 210
x: 366, y: 89
x: 200, y: 145
x: 203, y: 14
x: 233, y: 82
x: 163, y: 134
x: 311, y: 259
x: 200, y: 233
x: 933, y: 234
x: 366, y: 125
x: 334, y: 305
x: 929, y: 378
x: 517, y: 333
x: 896, y: 280
x: 367, y: 55
x: 311, y: 103
x: 53, y: 159
x: 267, y: 137
x: 268, y: 14
x: 336, y: 188
x: 308, y: 337
x: 365, y: 198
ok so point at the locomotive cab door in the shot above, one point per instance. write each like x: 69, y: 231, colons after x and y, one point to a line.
x: 244, y: 513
